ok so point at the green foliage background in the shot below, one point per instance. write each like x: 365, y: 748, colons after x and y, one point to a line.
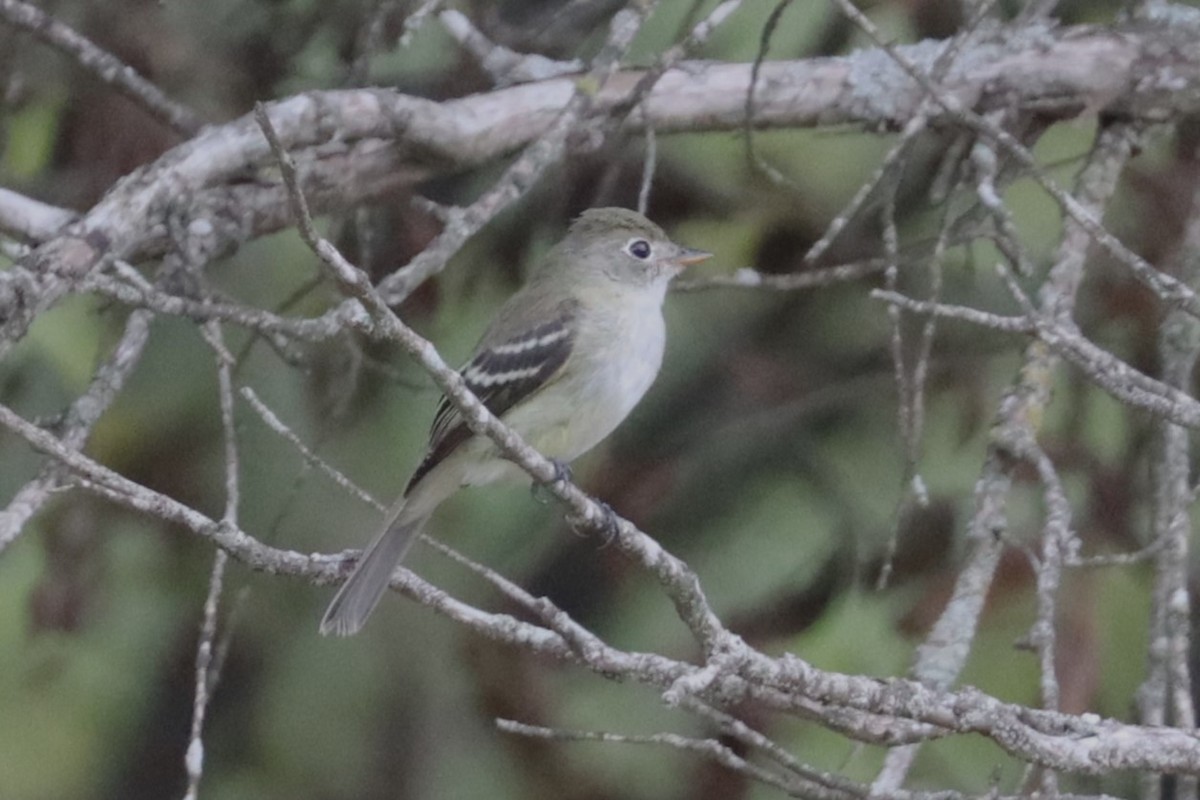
x: 767, y: 455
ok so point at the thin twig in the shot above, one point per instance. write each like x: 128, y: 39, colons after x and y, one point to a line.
x: 985, y: 319
x: 889, y: 168
x: 648, y: 166
x: 1062, y: 741
x: 1059, y: 544
x: 206, y: 677
x: 101, y: 64
x: 710, y: 749
x: 1169, y: 289
x: 414, y: 21
x: 523, y: 173
x: 1165, y: 695
x: 273, y: 422
x: 747, y: 278
x: 78, y: 422
x: 756, y: 158
x: 942, y: 656
x: 369, y: 40
x: 504, y: 66
x: 325, y: 327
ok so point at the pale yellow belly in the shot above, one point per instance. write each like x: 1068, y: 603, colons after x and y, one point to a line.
x: 613, y: 366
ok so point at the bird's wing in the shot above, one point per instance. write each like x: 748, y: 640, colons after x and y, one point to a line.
x: 502, y: 373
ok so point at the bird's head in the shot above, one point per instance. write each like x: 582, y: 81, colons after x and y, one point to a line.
x: 626, y: 247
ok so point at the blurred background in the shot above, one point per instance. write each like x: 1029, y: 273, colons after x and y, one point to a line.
x: 767, y: 455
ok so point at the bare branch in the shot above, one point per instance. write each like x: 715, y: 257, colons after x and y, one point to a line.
x: 648, y: 167
x: 31, y: 220
x: 206, y: 671
x: 989, y: 91
x: 78, y: 422
x: 707, y: 748
x: 746, y: 278
x: 984, y: 319
x: 364, y: 142
x: 521, y: 175
x: 329, y: 325
x: 101, y: 64
x: 1074, y: 743
x: 1166, y: 287
x: 943, y: 654
x: 416, y: 19
x: 273, y: 422
x: 1165, y: 695
x: 505, y: 66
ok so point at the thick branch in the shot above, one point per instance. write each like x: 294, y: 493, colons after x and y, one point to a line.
x: 1151, y: 72
x: 1084, y: 743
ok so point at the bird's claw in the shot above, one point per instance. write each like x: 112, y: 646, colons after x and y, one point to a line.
x: 562, y: 474
x: 606, y: 526
x: 562, y: 471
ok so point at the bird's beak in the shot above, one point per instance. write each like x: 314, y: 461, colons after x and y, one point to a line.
x: 688, y: 256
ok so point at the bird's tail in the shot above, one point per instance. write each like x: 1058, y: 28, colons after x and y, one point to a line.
x: 359, y: 595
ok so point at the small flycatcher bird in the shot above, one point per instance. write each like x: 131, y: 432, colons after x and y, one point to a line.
x: 564, y: 361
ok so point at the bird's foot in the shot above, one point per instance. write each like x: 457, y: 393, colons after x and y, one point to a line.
x: 606, y: 527
x: 562, y: 471
x: 562, y: 474
x: 347, y: 561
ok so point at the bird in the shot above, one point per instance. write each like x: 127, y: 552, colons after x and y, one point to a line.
x: 563, y: 362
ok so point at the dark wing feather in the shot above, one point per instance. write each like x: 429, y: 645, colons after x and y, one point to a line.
x: 501, y: 376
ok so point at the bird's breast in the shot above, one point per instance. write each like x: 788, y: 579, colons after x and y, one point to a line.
x: 614, y: 371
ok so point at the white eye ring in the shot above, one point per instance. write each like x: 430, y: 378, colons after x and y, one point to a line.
x: 639, y: 248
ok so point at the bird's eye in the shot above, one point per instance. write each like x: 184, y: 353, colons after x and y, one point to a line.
x: 639, y: 248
